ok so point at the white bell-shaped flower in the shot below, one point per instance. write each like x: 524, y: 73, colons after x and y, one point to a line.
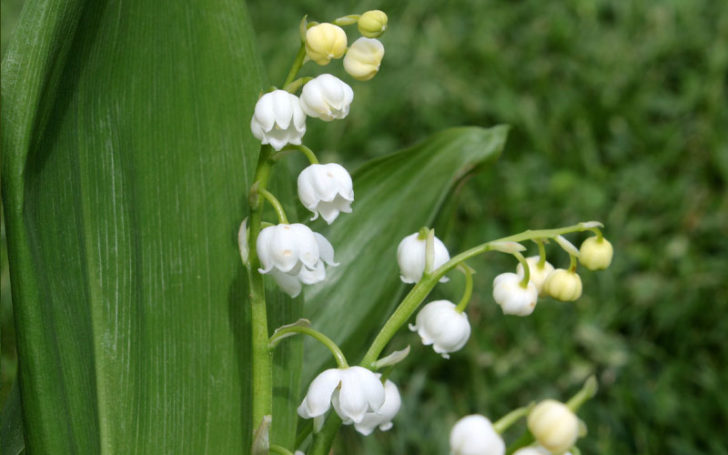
x: 475, y: 435
x: 353, y: 391
x: 363, y: 58
x: 537, y: 274
x: 439, y: 324
x: 512, y: 297
x: 534, y: 450
x: 293, y: 254
x: 596, y: 253
x: 326, y: 97
x: 326, y: 190
x: 383, y: 417
x: 411, y: 256
x: 278, y: 119
x: 564, y: 285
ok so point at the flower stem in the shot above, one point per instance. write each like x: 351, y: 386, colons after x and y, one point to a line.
x: 541, y: 253
x: 274, y: 448
x: 297, y: 64
x: 588, y: 390
x: 468, y: 292
x: 262, y: 372
x: 326, y: 341
x: 526, y: 269
x: 275, y: 203
x: 308, y: 152
x: 295, y: 85
x: 512, y: 417
x: 323, y: 439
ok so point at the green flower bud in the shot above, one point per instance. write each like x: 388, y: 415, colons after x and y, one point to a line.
x: 596, y: 253
x: 372, y: 23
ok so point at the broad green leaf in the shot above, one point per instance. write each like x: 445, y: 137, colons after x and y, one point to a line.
x: 127, y: 155
x: 395, y: 196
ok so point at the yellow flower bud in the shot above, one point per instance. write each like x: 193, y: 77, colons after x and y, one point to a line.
x: 596, y: 253
x: 563, y: 285
x: 363, y: 58
x: 324, y: 42
x: 372, y: 23
x: 554, y: 426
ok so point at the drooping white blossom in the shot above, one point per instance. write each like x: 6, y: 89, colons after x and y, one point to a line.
x: 363, y: 58
x: 411, y: 256
x: 475, y: 435
x: 512, y: 297
x: 538, y: 273
x: 382, y: 418
x: 596, y: 253
x: 353, y: 392
x: 553, y: 425
x: 293, y: 254
x: 326, y: 190
x: 324, y: 42
x: 326, y: 97
x: 278, y: 119
x: 439, y: 324
x: 563, y: 285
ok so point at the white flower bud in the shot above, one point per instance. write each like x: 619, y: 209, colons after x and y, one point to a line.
x: 326, y: 190
x: 537, y: 274
x: 553, y: 425
x: 534, y: 450
x: 363, y: 59
x: 372, y: 23
x: 512, y: 297
x: 383, y: 417
x: 563, y: 285
x: 278, y: 119
x: 475, y: 435
x: 411, y: 256
x: 439, y: 324
x: 324, y: 42
x: 353, y: 392
x: 596, y: 253
x: 326, y: 97
x: 293, y: 254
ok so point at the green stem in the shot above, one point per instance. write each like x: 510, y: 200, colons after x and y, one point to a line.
x: 468, y: 292
x: 323, y: 439
x: 541, y: 253
x: 274, y: 448
x: 326, y: 341
x: 526, y: 269
x: 308, y: 152
x: 275, y: 203
x: 298, y: 83
x: 297, y: 64
x: 524, y: 440
x: 262, y: 372
x: 512, y: 417
x: 588, y: 390
x: 572, y: 263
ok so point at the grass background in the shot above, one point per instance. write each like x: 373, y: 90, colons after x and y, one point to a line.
x: 619, y: 112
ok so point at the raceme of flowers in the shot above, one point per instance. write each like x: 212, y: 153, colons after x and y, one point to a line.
x: 294, y: 255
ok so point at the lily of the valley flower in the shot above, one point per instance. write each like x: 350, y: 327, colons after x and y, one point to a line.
x: 326, y: 97
x: 537, y: 274
x: 475, y: 435
x: 382, y: 418
x: 553, y: 425
x: 353, y: 391
x: 563, y: 285
x: 411, y: 257
x: 534, y: 450
x: 278, y: 119
x: 294, y: 254
x: 363, y: 58
x: 512, y: 297
x: 326, y: 190
x: 324, y: 42
x: 439, y: 324
x: 596, y: 253
x: 372, y: 23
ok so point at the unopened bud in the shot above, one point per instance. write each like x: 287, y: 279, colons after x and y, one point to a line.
x: 553, y: 425
x: 563, y: 285
x: 363, y: 58
x: 324, y: 42
x: 372, y: 23
x: 596, y: 253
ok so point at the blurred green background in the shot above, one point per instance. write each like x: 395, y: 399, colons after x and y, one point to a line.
x: 619, y: 113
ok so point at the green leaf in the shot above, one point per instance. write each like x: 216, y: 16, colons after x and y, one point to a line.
x: 395, y: 196
x: 127, y: 157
